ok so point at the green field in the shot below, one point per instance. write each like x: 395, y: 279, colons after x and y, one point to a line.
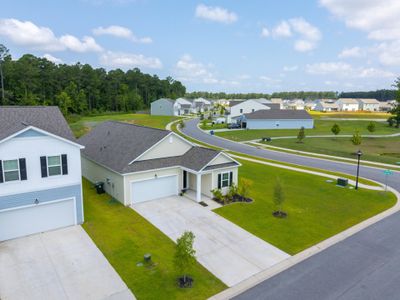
x: 322, y: 127
x: 350, y: 115
x: 385, y: 150
x: 316, y: 209
x: 82, y: 125
x: 124, y: 237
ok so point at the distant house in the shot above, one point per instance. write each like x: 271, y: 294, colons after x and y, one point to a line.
x: 185, y: 106
x: 348, y: 104
x: 278, y: 119
x: 273, y: 105
x: 297, y: 104
x: 201, y: 105
x: 277, y: 101
x: 326, y: 105
x: 164, y: 107
x: 238, y: 108
x: 310, y: 105
x: 386, y: 106
x: 368, y: 104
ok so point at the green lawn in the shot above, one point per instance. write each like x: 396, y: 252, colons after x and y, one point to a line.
x: 350, y: 115
x: 84, y: 124
x: 124, y: 237
x: 210, y: 126
x: 321, y: 127
x: 385, y: 150
x: 316, y: 209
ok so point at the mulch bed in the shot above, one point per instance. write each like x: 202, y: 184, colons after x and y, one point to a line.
x: 185, y: 284
x: 279, y: 214
x: 235, y: 198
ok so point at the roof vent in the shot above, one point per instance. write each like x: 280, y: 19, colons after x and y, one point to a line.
x: 24, y: 123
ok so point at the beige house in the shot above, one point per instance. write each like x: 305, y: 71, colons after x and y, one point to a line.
x: 369, y: 104
x: 348, y: 104
x: 139, y: 163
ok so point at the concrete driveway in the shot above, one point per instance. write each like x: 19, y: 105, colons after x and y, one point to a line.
x: 60, y: 264
x: 226, y: 250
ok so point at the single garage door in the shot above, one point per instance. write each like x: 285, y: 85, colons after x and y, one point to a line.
x: 154, y: 188
x: 34, y: 219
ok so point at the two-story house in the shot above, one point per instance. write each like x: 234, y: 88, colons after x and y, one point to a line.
x: 369, y: 104
x: 40, y: 172
x: 239, y: 108
x: 347, y: 104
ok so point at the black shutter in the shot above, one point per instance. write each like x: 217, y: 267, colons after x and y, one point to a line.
x: 230, y: 178
x: 219, y: 181
x: 22, y: 169
x: 64, y: 163
x: 1, y: 172
x: 43, y: 165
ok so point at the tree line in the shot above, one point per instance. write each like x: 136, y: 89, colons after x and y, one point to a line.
x: 79, y: 88
x: 381, y: 95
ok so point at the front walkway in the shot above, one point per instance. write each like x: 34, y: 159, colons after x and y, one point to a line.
x: 61, y: 264
x: 228, y: 251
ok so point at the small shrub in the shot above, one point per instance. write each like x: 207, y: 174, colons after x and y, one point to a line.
x: 181, y: 124
x: 356, y: 138
x: 390, y: 121
x: 302, y: 135
x: 233, y: 191
x: 244, y: 187
x: 335, y: 129
x: 217, y: 195
x: 371, y: 127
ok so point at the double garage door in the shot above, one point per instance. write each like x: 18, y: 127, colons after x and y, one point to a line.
x: 38, y: 218
x: 154, y: 188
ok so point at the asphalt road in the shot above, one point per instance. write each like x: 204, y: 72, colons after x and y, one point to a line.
x: 364, y: 266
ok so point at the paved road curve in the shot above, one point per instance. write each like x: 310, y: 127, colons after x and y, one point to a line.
x: 364, y: 266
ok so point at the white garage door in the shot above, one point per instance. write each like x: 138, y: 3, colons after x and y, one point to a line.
x: 34, y: 219
x: 154, y: 188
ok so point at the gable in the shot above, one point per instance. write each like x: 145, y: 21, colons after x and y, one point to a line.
x: 171, y: 145
x: 29, y: 133
x: 220, y: 159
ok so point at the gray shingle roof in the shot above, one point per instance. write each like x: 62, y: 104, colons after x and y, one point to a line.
x: 115, y: 144
x: 275, y: 114
x: 47, y: 118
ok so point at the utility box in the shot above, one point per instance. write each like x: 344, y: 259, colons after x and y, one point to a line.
x: 342, y: 182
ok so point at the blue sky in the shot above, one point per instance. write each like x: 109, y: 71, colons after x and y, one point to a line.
x: 231, y: 46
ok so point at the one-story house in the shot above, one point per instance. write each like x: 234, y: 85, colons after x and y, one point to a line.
x: 278, y: 119
x: 139, y: 163
x: 40, y: 172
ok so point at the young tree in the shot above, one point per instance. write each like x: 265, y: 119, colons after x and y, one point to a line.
x: 396, y: 109
x: 244, y: 187
x: 335, y: 129
x: 185, y: 258
x: 181, y: 124
x: 279, y: 197
x: 371, y: 127
x: 3, y: 54
x: 302, y: 135
x: 356, y: 138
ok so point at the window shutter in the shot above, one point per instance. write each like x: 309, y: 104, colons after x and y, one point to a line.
x: 43, y: 165
x: 1, y: 172
x: 230, y: 178
x: 219, y: 181
x: 22, y: 168
x: 64, y: 163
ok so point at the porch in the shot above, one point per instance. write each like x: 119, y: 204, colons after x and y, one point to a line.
x: 211, y: 204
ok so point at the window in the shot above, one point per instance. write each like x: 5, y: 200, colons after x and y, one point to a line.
x: 241, y: 110
x: 225, y: 180
x: 11, y: 170
x: 253, y: 110
x: 54, y: 165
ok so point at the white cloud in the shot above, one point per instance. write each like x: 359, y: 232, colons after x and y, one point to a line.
x: 265, y: 32
x: 88, y: 44
x: 388, y: 53
x: 282, y: 30
x: 26, y: 33
x: 53, y: 59
x: 129, y: 60
x: 290, y: 68
x: 379, y: 18
x: 191, y: 71
x: 308, y: 35
x: 121, y: 32
x: 215, y: 13
x: 351, y: 52
x: 341, y: 69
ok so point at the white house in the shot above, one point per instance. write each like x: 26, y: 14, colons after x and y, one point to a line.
x: 185, y: 106
x: 326, y: 105
x: 386, y: 106
x: 40, y: 172
x: 238, y: 108
x: 165, y: 107
x: 347, y: 104
x: 140, y: 163
x: 278, y: 119
x: 368, y: 104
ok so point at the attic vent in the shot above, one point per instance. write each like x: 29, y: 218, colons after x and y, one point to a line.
x: 24, y: 123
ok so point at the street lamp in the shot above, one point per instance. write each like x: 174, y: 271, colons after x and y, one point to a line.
x: 359, y: 153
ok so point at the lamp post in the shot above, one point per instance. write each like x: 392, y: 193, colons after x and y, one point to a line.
x: 359, y: 153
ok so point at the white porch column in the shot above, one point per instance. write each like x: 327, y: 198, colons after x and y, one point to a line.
x: 198, y: 187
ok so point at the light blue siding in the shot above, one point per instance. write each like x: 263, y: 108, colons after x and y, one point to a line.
x: 162, y: 107
x: 49, y: 195
x: 29, y: 133
x: 279, y: 124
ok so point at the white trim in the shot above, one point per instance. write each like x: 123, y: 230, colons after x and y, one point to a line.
x: 46, y: 203
x: 227, y: 156
x: 156, y: 144
x: 39, y: 190
x: 219, y: 169
x: 45, y: 133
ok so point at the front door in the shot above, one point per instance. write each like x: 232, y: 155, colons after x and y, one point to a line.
x: 185, y: 179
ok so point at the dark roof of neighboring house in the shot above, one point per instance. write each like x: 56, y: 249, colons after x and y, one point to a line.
x: 279, y: 114
x: 195, y: 159
x: 235, y: 102
x: 115, y: 144
x: 273, y: 105
x: 47, y: 118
